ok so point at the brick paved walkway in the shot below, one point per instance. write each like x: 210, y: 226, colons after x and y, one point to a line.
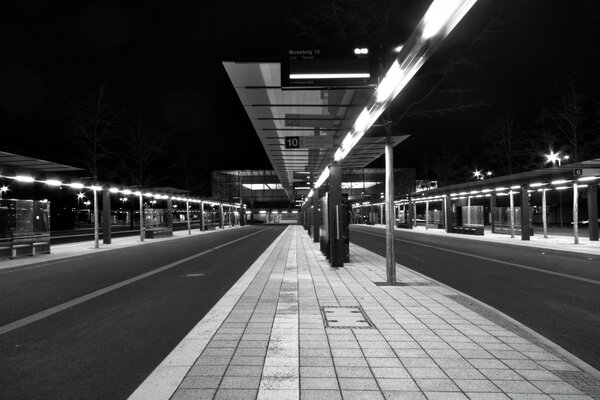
x: 294, y: 328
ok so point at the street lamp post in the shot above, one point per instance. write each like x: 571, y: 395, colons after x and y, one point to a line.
x: 187, y: 216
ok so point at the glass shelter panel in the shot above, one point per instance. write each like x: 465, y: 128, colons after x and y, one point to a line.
x: 501, y: 217
x: 24, y: 227
x: 472, y: 216
x: 158, y: 222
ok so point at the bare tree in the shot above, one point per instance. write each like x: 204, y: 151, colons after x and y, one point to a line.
x: 446, y: 165
x: 226, y: 186
x: 145, y: 145
x: 95, y: 126
x: 344, y: 21
x: 505, y: 145
x: 569, y: 119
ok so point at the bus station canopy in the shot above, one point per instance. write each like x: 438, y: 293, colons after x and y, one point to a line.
x: 301, y: 128
x: 565, y: 174
x: 15, y: 163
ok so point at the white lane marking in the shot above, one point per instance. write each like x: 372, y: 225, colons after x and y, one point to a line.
x: 543, y: 271
x: 82, y: 299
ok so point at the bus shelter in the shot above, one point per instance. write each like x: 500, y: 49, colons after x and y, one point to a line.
x: 520, y: 204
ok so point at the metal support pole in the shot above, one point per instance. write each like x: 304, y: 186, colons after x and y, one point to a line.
x: 575, y: 213
x: 315, y: 216
x: 525, y: 234
x: 512, y: 214
x: 335, y: 203
x: 426, y: 214
x: 141, y: 217
x: 96, y: 221
x: 106, y: 227
x: 414, y: 204
x: 468, y: 210
x: 592, y: 199
x: 187, y: 216
x: 544, y: 214
x: 201, y: 215
x: 492, y: 209
x: 390, y: 260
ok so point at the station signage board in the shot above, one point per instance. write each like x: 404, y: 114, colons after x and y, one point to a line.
x: 308, y: 142
x: 313, y: 67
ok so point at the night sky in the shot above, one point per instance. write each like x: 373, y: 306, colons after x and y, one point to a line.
x: 164, y: 60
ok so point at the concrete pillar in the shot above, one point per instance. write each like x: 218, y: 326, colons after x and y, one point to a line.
x: 335, y: 204
x: 592, y: 202
x: 242, y: 215
x: 448, y: 214
x: 426, y: 214
x: 106, y: 229
x: 524, y: 213
x: 315, y: 216
x: 222, y: 217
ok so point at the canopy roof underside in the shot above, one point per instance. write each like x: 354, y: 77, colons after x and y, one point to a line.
x: 277, y: 113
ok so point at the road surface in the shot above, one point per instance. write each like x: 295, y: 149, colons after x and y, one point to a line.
x: 95, y: 326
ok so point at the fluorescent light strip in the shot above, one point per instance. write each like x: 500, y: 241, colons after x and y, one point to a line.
x: 441, y: 17
x: 330, y: 76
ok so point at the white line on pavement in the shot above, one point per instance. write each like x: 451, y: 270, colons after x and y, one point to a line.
x: 168, y: 375
x: 82, y: 299
x: 543, y: 271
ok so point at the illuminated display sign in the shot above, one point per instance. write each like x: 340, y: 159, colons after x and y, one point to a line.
x: 310, y: 67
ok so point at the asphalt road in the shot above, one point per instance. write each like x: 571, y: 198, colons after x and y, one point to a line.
x: 554, y: 293
x: 105, y: 346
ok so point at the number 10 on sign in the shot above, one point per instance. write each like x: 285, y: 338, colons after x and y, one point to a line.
x: 292, y: 142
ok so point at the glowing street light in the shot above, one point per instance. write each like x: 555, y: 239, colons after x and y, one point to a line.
x: 555, y: 158
x: 3, y: 190
x: 22, y: 178
x: 53, y: 182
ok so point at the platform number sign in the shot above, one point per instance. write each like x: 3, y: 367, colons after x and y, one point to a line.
x: 292, y: 142
x: 578, y: 172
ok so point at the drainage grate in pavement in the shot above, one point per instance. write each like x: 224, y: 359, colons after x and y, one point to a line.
x: 345, y: 317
